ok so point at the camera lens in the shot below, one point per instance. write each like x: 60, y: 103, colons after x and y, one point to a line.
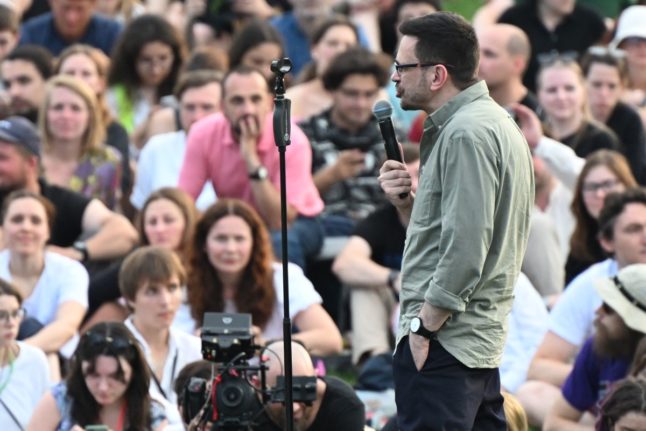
x: 232, y: 396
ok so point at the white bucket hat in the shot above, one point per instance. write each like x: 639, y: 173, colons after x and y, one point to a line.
x: 631, y: 23
x: 626, y: 295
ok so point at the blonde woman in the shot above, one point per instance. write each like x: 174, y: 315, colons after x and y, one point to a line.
x: 73, y: 132
x: 561, y: 93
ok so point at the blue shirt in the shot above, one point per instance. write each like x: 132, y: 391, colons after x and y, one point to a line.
x: 591, y: 377
x: 100, y: 33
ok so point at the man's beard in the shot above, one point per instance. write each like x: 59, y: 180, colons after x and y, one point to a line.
x: 622, y: 346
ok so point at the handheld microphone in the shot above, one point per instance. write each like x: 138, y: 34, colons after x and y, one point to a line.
x: 383, y: 110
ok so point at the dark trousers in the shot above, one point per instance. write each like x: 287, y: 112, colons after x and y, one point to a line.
x: 445, y: 394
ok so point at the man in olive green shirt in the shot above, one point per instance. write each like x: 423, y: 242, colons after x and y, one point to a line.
x: 469, y: 223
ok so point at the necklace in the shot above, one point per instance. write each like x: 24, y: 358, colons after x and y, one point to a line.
x: 11, y: 359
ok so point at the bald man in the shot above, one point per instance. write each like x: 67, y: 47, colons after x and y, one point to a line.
x: 504, y: 53
x: 336, y: 408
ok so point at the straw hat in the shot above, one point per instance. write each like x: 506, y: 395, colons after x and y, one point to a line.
x: 631, y: 23
x: 626, y: 295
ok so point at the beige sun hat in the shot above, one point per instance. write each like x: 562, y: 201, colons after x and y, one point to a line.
x: 626, y: 295
x: 631, y: 23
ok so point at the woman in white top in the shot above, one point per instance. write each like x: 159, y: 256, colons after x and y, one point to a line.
x: 24, y: 374
x: 151, y: 280
x: 54, y: 286
x: 232, y: 270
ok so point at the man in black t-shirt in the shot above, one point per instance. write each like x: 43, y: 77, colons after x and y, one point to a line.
x: 554, y: 26
x: 336, y: 407
x: 84, y: 229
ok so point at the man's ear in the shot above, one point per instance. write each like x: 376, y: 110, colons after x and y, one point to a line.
x: 519, y: 64
x: 607, y: 244
x: 438, y: 78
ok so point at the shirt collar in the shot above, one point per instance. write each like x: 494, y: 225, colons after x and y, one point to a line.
x: 437, y: 119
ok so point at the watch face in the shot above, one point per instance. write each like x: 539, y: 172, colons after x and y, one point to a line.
x: 415, y: 324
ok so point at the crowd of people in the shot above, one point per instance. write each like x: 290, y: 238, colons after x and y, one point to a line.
x: 140, y: 189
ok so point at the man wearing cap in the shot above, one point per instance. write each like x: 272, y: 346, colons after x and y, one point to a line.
x: 605, y: 358
x: 109, y: 235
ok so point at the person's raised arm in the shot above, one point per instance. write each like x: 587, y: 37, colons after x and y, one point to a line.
x: 53, y: 336
x: 395, y: 180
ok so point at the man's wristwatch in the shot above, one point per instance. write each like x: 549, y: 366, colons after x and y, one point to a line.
x: 81, y: 247
x: 417, y: 327
x: 259, y: 174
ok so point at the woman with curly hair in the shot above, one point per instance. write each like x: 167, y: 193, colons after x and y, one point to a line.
x: 232, y: 270
x: 108, y: 384
x: 625, y: 407
x: 146, y: 63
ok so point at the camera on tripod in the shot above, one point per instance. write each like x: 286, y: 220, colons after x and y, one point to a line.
x: 232, y: 401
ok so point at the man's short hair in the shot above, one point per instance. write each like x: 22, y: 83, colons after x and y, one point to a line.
x: 446, y: 38
x: 354, y: 61
x: 40, y: 57
x: 9, y: 20
x: 245, y: 71
x: 436, y: 4
x: 613, y: 205
x: 518, y: 44
x: 148, y: 264
x: 196, y: 79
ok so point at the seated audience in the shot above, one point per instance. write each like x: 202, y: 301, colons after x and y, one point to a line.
x: 54, y: 287
x: 91, y: 66
x: 347, y: 148
x: 108, y: 384
x: 369, y: 264
x: 24, y: 365
x: 604, y: 172
x: 571, y: 319
x: 9, y: 30
x: 83, y: 229
x: 561, y: 94
x: 624, y: 407
x: 151, y: 281
x: 167, y: 219
x: 69, y: 22
x: 235, y: 149
x: 336, y: 407
x: 199, y: 94
x: 74, y: 155
x: 605, y: 358
x: 24, y: 72
x: 564, y: 27
x: 606, y: 74
x: 232, y: 270
x: 145, y: 66
x: 630, y: 36
x: 309, y: 97
x: 256, y: 45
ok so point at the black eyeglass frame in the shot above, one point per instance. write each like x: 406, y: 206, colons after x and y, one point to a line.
x: 401, y: 67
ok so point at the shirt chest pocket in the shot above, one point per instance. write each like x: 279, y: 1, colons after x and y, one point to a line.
x: 427, y: 201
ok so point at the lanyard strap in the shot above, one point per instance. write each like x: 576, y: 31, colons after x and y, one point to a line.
x: 122, y: 416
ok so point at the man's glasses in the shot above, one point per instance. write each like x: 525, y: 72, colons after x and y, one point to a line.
x: 606, y: 186
x: 6, y: 315
x: 399, y: 68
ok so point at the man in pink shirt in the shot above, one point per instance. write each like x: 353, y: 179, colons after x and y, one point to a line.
x: 235, y: 150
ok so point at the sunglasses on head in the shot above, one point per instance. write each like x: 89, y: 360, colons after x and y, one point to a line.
x: 602, y: 51
x: 549, y: 58
x: 100, y: 342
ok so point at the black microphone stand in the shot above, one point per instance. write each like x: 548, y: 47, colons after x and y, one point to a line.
x: 282, y: 129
